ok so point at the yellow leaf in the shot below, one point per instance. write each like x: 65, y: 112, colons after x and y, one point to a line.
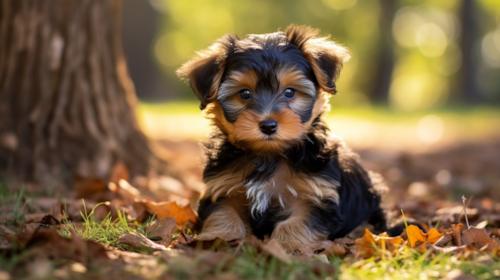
x: 416, y: 236
x: 383, y: 242
x: 433, y: 236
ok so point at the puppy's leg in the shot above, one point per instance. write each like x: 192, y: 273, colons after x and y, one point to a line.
x: 224, y: 222
x: 295, y: 232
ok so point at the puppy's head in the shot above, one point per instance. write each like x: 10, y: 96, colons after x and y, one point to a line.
x: 264, y: 91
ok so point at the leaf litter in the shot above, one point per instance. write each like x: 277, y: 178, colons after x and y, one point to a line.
x: 144, y: 229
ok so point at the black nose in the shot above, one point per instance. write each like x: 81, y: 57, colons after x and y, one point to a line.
x: 268, y: 126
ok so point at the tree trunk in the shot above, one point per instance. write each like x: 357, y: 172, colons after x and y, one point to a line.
x: 469, y: 91
x: 66, y: 99
x: 379, y: 92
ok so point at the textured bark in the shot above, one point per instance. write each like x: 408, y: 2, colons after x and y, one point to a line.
x: 66, y: 99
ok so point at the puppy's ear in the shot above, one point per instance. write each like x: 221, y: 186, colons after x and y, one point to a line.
x: 204, y: 71
x: 326, y: 57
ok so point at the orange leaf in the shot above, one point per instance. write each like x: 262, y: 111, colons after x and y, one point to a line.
x: 416, y: 236
x: 366, y: 244
x: 170, y: 209
x: 433, y: 236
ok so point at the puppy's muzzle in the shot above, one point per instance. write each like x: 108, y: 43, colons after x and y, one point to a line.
x: 268, y: 126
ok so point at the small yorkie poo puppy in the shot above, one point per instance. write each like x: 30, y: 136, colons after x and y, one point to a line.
x: 273, y: 170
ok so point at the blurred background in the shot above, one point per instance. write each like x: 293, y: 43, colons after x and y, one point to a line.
x: 413, y: 61
x: 418, y: 100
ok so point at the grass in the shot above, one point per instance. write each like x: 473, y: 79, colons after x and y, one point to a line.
x: 106, y: 231
x: 248, y: 263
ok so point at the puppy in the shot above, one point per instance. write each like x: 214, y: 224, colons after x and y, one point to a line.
x: 272, y: 168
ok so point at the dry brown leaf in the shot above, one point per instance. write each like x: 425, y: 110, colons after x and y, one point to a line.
x: 275, y: 249
x: 162, y: 229
x: 170, y: 209
x: 444, y: 240
x: 184, y: 238
x: 48, y: 243
x: 45, y: 219
x: 88, y: 187
x: 475, y: 236
x: 125, y: 190
x: 492, y: 247
x: 365, y: 245
x: 140, y: 242
x: 119, y: 172
x: 456, y: 233
x: 335, y: 250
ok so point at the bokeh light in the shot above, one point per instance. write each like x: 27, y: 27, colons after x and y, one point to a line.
x: 431, y: 40
x: 340, y: 4
x: 430, y: 129
x: 490, y: 48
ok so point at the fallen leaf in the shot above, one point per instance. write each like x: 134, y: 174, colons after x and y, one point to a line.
x: 162, y: 229
x: 170, y: 209
x: 444, y: 240
x: 416, y: 236
x: 492, y: 247
x: 125, y: 190
x: 475, y: 235
x: 88, y: 187
x: 140, y: 242
x: 48, y: 243
x: 45, y: 219
x: 184, y: 238
x: 433, y: 235
x: 383, y: 242
x: 456, y: 233
x: 119, y: 172
x: 275, y: 249
x: 420, y: 240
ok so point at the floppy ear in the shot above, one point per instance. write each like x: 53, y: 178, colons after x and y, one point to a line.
x: 325, y: 56
x: 204, y: 71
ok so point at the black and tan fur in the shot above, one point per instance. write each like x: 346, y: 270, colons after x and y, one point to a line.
x: 272, y: 167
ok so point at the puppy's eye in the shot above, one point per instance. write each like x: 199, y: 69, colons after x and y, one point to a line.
x: 289, y: 93
x: 245, y: 94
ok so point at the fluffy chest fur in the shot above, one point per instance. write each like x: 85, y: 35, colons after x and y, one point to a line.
x: 273, y: 185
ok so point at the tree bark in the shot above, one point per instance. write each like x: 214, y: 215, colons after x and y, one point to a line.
x: 379, y: 92
x: 66, y: 99
x: 469, y: 90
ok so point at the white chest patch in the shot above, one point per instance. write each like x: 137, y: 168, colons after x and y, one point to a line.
x: 286, y: 187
